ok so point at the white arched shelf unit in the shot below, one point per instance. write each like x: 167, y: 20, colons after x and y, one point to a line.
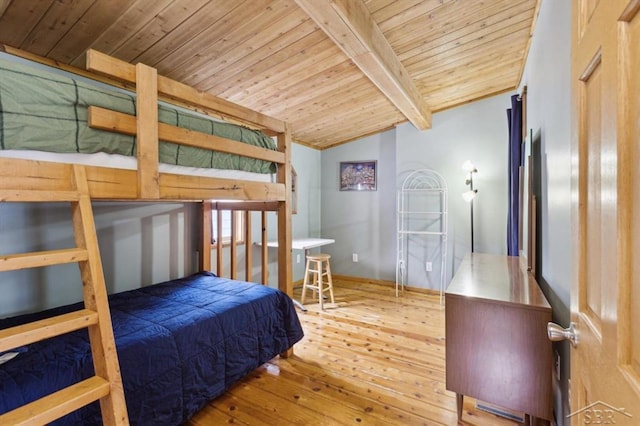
x: 422, y: 224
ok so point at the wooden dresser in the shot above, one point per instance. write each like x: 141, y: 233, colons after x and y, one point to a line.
x: 496, y: 336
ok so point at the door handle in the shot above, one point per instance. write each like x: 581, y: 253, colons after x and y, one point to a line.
x: 556, y: 333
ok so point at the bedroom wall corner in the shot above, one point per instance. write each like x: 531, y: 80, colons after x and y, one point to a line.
x: 476, y: 132
x: 306, y: 223
x: 361, y: 222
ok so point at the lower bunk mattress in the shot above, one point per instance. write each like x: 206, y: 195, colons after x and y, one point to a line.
x: 180, y: 344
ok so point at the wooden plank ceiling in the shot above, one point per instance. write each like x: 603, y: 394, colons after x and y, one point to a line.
x: 336, y: 70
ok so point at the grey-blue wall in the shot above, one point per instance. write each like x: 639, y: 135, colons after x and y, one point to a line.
x: 361, y: 222
x: 475, y: 132
x: 548, y: 80
x: 140, y: 244
x: 365, y: 222
x: 307, y: 222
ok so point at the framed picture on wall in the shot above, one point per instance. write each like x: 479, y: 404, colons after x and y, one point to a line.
x: 358, y: 175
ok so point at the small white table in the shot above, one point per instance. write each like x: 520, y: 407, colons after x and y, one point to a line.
x: 305, y: 244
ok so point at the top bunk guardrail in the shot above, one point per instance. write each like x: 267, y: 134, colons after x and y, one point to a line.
x: 148, y: 87
x: 147, y: 183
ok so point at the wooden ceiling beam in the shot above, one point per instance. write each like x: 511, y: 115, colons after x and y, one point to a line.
x: 350, y: 25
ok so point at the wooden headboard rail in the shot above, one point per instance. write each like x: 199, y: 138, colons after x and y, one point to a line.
x: 210, y: 208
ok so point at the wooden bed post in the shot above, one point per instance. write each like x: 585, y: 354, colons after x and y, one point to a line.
x: 285, y: 271
x: 248, y: 258
x: 219, y: 242
x: 205, y: 246
x: 233, y: 248
x: 147, y: 128
x: 285, y: 268
x: 264, y: 254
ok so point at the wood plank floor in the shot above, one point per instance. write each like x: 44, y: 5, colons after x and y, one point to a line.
x: 372, y: 359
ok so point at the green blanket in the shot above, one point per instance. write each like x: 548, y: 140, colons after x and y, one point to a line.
x: 47, y: 111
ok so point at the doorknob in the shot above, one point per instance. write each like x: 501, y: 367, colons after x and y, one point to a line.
x: 556, y: 333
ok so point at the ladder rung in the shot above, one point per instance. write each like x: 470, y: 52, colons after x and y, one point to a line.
x: 32, y: 195
x: 58, y: 404
x: 14, y: 262
x: 21, y: 335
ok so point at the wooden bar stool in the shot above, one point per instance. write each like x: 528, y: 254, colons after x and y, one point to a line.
x: 318, y: 265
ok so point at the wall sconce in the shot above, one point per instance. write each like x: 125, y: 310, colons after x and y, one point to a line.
x: 469, y: 195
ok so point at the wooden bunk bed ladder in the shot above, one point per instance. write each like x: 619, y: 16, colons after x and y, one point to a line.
x: 106, y: 385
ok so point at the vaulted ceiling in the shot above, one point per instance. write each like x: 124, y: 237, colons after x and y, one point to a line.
x: 336, y: 70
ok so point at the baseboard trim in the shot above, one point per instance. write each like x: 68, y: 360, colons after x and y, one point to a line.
x: 363, y: 280
x: 429, y: 291
x: 385, y: 283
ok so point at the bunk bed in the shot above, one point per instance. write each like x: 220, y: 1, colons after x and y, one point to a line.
x: 178, y: 344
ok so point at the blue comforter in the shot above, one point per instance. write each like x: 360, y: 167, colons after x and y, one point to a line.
x: 180, y: 344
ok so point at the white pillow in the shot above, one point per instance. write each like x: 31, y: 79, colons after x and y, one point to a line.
x: 8, y: 356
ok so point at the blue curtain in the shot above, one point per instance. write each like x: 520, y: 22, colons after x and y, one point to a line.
x: 514, y: 119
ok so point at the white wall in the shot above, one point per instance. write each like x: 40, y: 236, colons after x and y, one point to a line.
x: 548, y: 81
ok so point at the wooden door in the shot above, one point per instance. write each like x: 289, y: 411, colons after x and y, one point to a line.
x: 605, y: 298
